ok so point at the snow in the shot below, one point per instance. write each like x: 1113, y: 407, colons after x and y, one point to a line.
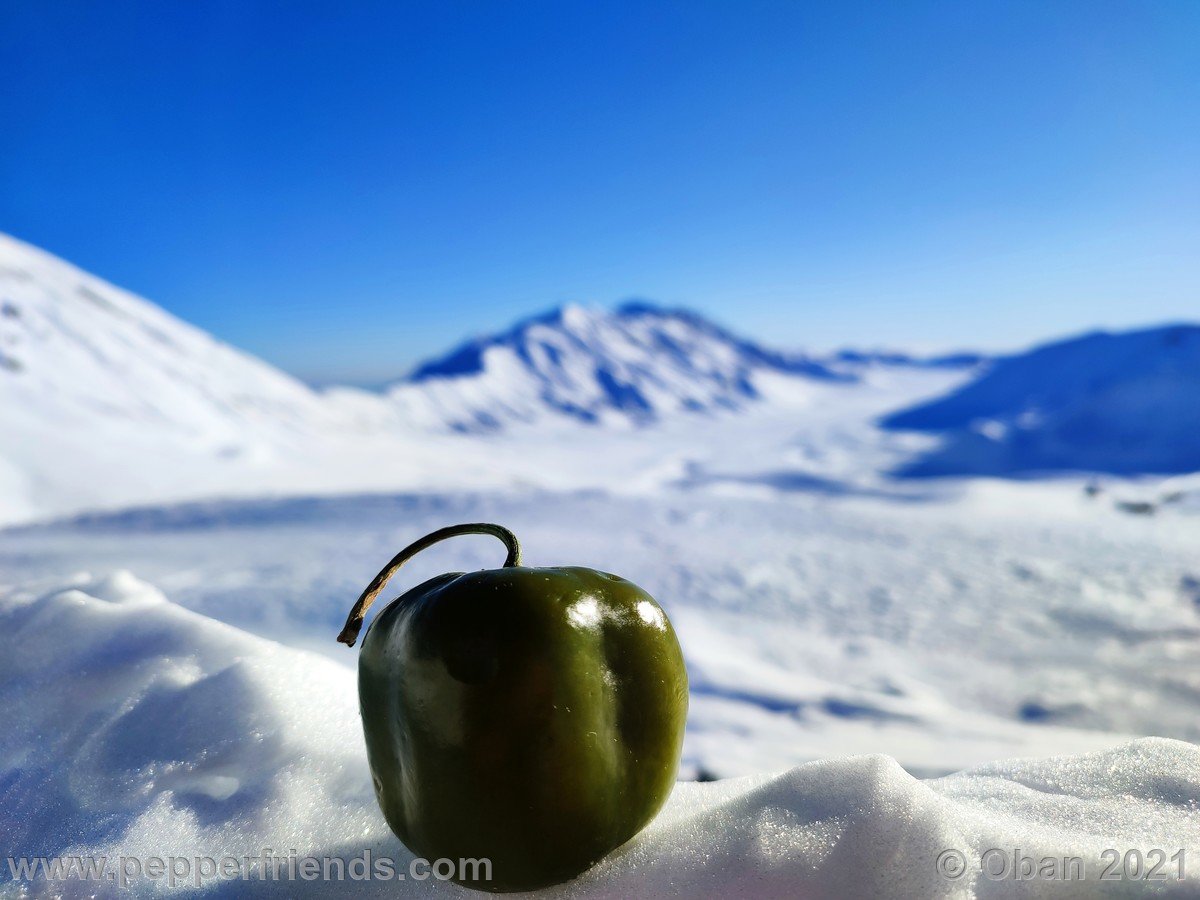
x: 1011, y: 620
x: 631, y: 366
x: 162, y: 732
x: 107, y: 401
x: 863, y: 827
x: 861, y: 636
x: 1119, y: 403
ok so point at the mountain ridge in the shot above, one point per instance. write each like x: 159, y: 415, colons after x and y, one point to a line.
x: 637, y: 362
x: 1116, y: 402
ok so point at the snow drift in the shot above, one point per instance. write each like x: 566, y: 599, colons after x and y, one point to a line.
x: 157, y: 731
x: 1119, y: 403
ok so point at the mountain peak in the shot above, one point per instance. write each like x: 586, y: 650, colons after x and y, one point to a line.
x: 631, y: 364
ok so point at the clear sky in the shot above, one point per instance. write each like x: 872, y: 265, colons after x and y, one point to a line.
x: 344, y: 188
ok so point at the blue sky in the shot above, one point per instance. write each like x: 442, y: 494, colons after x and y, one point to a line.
x: 346, y: 188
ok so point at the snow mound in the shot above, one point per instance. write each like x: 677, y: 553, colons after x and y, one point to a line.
x: 635, y: 364
x: 1118, y: 403
x: 139, y: 728
x: 137, y: 724
x: 863, y: 827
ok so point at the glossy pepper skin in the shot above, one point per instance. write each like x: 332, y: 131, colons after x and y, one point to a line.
x: 530, y: 716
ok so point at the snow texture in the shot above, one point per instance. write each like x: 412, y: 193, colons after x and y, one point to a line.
x: 159, y: 731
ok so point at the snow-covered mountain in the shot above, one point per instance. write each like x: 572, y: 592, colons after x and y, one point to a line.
x: 632, y: 365
x: 74, y: 347
x: 1120, y: 403
x: 107, y: 399
x: 89, y: 349
x: 98, y: 385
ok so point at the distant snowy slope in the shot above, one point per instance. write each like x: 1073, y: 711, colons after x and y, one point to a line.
x: 632, y: 365
x: 1122, y: 403
x: 853, y: 360
x: 87, y: 349
x: 99, y: 387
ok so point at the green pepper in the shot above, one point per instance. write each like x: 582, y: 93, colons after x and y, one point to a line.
x: 532, y: 717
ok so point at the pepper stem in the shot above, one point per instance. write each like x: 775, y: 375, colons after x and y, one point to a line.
x: 354, y: 621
